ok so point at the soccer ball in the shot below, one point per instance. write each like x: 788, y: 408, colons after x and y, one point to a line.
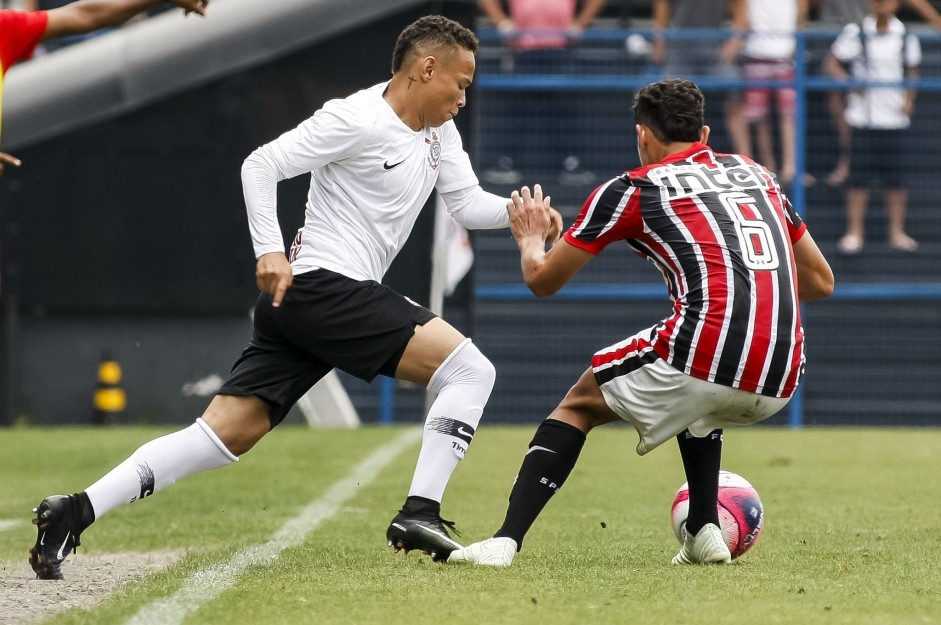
x: 741, y: 515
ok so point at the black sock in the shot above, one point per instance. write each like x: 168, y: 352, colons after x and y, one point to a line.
x: 551, y: 456
x: 701, y: 460
x: 421, y: 507
x: 82, y: 510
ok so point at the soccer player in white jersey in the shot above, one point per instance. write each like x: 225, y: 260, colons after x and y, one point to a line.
x: 737, y: 261
x: 373, y: 159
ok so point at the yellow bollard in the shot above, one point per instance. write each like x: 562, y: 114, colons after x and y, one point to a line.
x: 110, y: 399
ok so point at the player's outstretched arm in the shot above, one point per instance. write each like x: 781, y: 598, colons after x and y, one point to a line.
x: 86, y: 16
x: 8, y: 159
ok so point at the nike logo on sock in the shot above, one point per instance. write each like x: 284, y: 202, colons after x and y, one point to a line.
x: 540, y: 448
x: 451, y: 427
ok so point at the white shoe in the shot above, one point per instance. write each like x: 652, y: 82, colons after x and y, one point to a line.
x: 490, y: 552
x: 706, y: 547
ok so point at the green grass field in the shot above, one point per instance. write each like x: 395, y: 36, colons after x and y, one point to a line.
x: 852, y: 532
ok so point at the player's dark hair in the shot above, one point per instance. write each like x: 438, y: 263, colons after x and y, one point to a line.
x: 672, y: 109
x: 429, y: 33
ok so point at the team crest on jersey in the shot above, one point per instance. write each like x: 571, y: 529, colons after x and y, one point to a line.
x: 434, y: 150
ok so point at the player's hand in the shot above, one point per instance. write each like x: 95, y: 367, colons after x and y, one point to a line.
x: 273, y: 275
x: 529, y: 214
x: 192, y: 6
x: 555, y: 224
x: 8, y: 159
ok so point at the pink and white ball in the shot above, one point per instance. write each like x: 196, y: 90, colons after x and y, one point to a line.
x: 741, y: 515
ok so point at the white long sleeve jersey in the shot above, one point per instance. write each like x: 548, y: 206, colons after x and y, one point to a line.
x: 370, y: 176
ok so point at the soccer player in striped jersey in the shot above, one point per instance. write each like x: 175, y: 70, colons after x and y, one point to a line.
x: 737, y: 261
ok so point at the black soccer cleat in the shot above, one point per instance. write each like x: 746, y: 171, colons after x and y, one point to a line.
x: 421, y: 533
x: 60, y: 520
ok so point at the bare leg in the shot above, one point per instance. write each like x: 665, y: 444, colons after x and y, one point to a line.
x: 765, y: 143
x: 836, y: 105
x: 856, y: 200
x: 239, y: 422
x: 431, y: 344
x: 788, y: 159
x: 896, y: 204
x: 737, y: 126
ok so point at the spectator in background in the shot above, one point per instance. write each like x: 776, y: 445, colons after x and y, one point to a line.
x: 877, y: 49
x: 693, y: 58
x: 698, y: 56
x: 21, y: 32
x: 768, y: 55
x: 837, y: 14
x: 538, y: 35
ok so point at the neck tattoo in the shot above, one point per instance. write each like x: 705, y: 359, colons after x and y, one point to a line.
x: 411, y: 79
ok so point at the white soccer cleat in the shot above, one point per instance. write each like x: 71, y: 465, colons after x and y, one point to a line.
x: 491, y: 552
x: 706, y: 547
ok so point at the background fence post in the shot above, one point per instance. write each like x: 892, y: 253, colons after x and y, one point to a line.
x: 796, y: 405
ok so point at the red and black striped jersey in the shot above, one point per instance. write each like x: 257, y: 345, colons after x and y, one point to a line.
x: 721, y: 231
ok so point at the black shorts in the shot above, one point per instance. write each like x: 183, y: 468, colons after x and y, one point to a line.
x: 879, y: 156
x: 325, y: 321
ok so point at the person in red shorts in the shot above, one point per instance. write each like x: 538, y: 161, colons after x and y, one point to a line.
x: 768, y: 55
x: 21, y: 31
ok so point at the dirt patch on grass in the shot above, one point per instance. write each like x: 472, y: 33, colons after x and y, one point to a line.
x: 89, y: 580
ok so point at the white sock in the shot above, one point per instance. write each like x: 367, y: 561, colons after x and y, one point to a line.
x: 463, y: 384
x: 158, y: 464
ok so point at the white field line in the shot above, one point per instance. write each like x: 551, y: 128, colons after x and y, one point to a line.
x: 8, y: 524
x: 210, y: 582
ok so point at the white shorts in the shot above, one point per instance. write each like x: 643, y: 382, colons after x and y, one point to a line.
x: 660, y: 402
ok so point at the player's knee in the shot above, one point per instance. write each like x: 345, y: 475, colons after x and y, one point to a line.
x: 484, y: 371
x: 584, y: 406
x: 581, y: 415
x: 238, y: 422
x: 465, y: 366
